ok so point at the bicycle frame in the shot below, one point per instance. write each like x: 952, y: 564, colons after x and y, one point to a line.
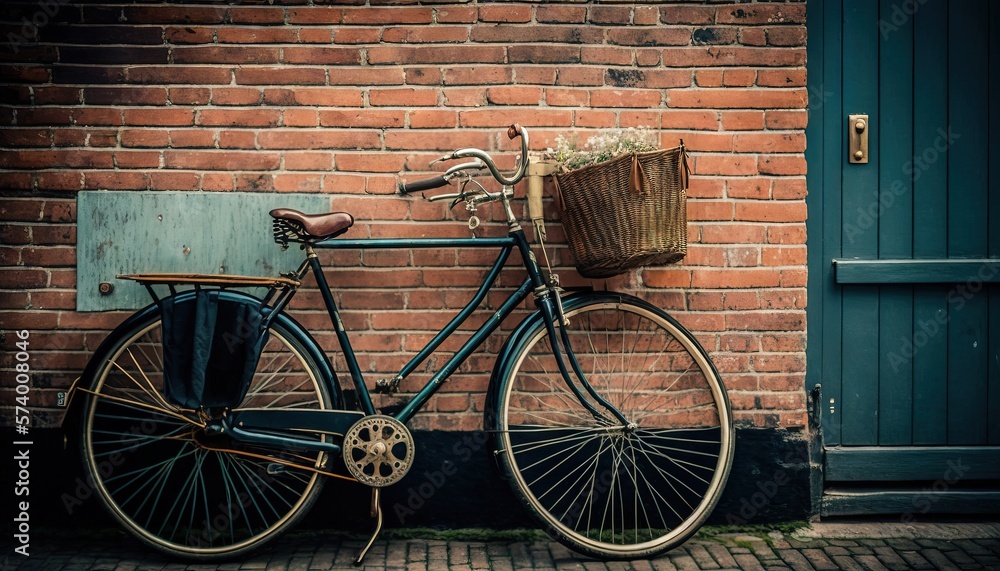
x: 534, y: 282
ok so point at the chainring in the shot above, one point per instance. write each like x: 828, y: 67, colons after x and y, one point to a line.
x: 378, y: 450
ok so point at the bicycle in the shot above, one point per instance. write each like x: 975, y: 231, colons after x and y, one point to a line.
x: 605, y: 415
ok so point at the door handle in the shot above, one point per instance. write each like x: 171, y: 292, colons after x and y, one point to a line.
x: 857, y: 137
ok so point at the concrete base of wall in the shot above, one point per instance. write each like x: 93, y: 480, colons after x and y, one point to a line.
x: 453, y: 484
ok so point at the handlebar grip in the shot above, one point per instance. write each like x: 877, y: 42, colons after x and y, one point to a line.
x: 408, y: 187
x: 514, y: 131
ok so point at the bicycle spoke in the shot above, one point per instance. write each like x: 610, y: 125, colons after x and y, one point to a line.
x: 608, y: 489
x: 171, y: 492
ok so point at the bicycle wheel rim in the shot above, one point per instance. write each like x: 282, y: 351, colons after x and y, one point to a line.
x: 554, y: 486
x: 137, y: 446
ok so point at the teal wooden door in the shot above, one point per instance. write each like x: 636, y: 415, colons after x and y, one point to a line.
x: 904, y: 308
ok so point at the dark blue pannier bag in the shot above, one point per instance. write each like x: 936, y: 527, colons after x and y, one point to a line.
x: 210, y: 349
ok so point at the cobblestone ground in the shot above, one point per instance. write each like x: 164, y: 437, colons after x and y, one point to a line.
x: 306, y: 551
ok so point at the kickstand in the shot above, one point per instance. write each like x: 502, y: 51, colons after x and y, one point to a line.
x: 376, y: 513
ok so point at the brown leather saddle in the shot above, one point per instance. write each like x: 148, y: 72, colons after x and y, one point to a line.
x: 294, y: 226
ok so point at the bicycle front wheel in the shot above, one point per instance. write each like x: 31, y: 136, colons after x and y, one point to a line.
x: 171, y: 485
x: 603, y: 487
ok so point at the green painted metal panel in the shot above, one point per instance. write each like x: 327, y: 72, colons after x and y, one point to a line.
x: 968, y: 188
x: 156, y: 232
x: 912, y: 463
x: 859, y: 404
x: 947, y: 271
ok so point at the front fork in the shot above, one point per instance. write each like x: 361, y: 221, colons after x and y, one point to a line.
x: 549, y: 300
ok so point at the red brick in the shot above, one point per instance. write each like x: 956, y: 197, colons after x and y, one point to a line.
x: 759, y: 188
x: 315, y: 15
x: 321, y: 55
x: 742, y: 120
x: 224, y: 54
x: 425, y: 34
x: 495, y: 117
x: 277, y: 75
x: 786, y: 119
x: 771, y: 211
x: 506, y: 13
x: 687, y: 14
x: 174, y: 74
x: 514, y: 95
x: 646, y: 16
x: 435, y: 54
x: 166, y: 180
x: 659, y: 36
x: 257, y: 15
x: 432, y: 119
x: 403, y: 97
x: 356, y: 35
x: 368, y: 76
x: 374, y: 15
x: 782, y: 165
x: 159, y: 117
x: 221, y: 160
x: 761, y: 14
x: 265, y: 35
x: 624, y: 98
x: 316, y: 139
x: 189, y: 95
x: 770, y: 143
x: 355, y: 118
x: 789, y: 188
x: 786, y: 36
x: 732, y: 56
x: 560, y: 14
x: 236, y: 139
x: 370, y: 162
x: 781, y: 78
x: 237, y: 96
x: 753, y: 36
x: 251, y: 117
x: 308, y: 161
x: 457, y: 14
x: 737, y: 98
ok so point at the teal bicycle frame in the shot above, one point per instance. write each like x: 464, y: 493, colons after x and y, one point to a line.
x: 241, y: 425
x: 506, y: 245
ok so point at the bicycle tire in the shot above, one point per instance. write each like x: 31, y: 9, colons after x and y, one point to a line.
x: 602, y: 488
x: 152, y: 475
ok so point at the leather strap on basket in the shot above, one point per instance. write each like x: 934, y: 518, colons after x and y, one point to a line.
x: 559, y: 198
x: 685, y: 168
x: 637, y: 176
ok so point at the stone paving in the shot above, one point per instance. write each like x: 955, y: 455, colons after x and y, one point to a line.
x: 814, y: 551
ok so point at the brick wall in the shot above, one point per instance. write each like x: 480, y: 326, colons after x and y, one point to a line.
x: 339, y: 98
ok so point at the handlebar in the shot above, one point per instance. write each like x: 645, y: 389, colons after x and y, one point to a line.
x: 483, y: 160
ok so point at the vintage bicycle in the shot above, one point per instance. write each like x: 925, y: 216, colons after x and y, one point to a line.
x: 605, y: 415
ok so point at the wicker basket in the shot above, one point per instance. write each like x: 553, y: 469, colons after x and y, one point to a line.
x: 627, y: 212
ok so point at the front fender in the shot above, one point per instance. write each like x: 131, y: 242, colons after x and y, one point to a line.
x: 513, y: 344
x: 299, y: 334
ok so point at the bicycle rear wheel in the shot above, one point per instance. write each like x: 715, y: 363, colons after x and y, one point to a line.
x: 172, y: 486
x: 603, y: 487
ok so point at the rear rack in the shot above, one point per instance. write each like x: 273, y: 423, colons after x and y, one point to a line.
x: 280, y: 289
x: 219, y: 280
